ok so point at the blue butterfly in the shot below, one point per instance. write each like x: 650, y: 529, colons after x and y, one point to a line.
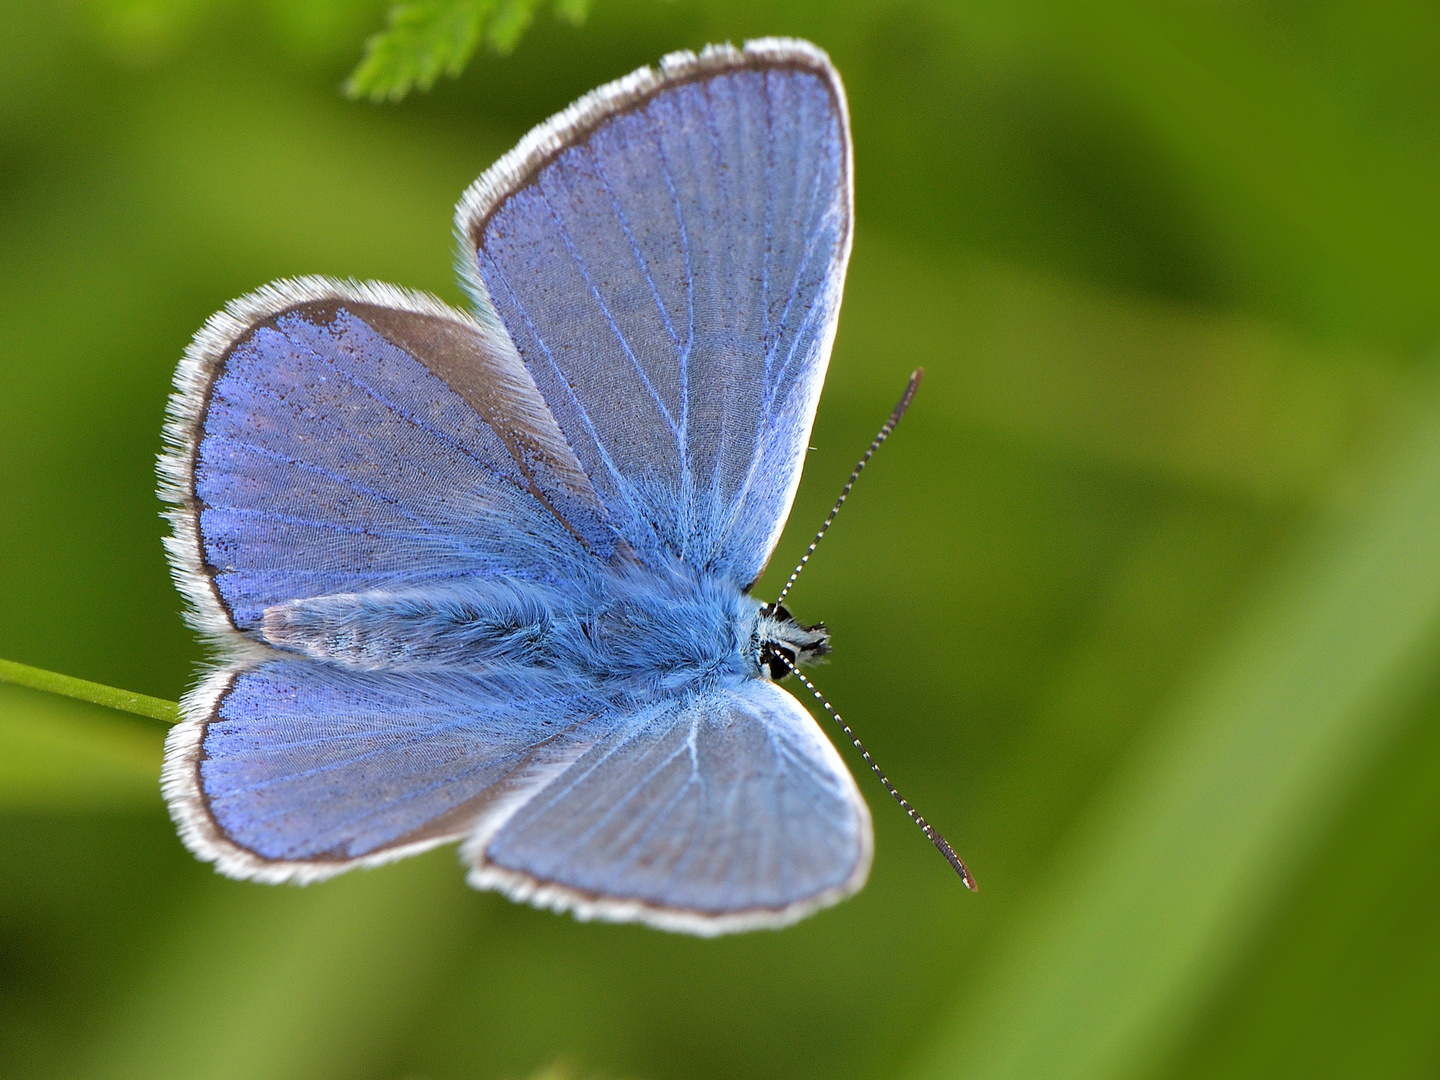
x: 485, y: 577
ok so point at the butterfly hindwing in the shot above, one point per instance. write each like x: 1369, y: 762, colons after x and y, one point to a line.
x: 720, y: 810
x: 668, y: 256
x: 710, y: 812
x: 294, y: 770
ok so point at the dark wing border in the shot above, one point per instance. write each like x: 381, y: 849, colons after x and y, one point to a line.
x: 518, y: 168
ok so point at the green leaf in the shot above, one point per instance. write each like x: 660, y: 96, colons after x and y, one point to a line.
x: 429, y: 38
x: 511, y: 20
x: 425, y: 38
x: 573, y: 12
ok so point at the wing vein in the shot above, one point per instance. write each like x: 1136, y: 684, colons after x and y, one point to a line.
x: 812, y: 238
x: 769, y: 216
x: 560, y: 375
x: 395, y: 410
x: 684, y: 354
x: 619, y: 803
x: 683, y: 438
x: 309, y: 523
x: 574, y: 254
x: 319, y: 470
x: 712, y: 127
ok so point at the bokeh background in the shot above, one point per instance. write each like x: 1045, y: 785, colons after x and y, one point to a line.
x: 1141, y: 606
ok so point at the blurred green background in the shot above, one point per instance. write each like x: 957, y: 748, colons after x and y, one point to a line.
x: 1141, y: 606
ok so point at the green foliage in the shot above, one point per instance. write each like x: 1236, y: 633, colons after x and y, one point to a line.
x: 425, y: 39
x: 573, y: 12
x: 1139, y: 606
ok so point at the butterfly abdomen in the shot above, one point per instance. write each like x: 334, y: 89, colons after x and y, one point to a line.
x: 481, y: 623
x: 632, y: 635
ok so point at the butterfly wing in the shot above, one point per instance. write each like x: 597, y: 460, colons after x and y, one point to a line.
x: 668, y: 256
x: 720, y: 811
x: 329, y: 438
x: 723, y: 810
x: 290, y: 770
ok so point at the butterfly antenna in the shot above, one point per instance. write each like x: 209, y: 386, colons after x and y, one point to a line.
x: 932, y: 834
x: 885, y: 431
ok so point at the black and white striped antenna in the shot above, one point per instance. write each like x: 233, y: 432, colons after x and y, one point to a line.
x: 875, y: 443
x: 931, y: 833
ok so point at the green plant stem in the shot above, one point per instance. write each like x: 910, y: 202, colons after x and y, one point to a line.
x: 96, y: 693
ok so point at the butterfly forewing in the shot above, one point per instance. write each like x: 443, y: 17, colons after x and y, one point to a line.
x: 668, y: 256
x: 329, y: 439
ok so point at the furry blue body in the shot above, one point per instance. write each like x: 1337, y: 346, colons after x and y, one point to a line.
x: 619, y: 635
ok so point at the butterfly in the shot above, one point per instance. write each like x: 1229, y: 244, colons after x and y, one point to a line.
x: 485, y: 576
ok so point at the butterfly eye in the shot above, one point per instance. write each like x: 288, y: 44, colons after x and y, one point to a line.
x: 779, y: 660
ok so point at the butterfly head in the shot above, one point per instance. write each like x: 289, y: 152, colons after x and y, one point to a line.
x: 781, y: 642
